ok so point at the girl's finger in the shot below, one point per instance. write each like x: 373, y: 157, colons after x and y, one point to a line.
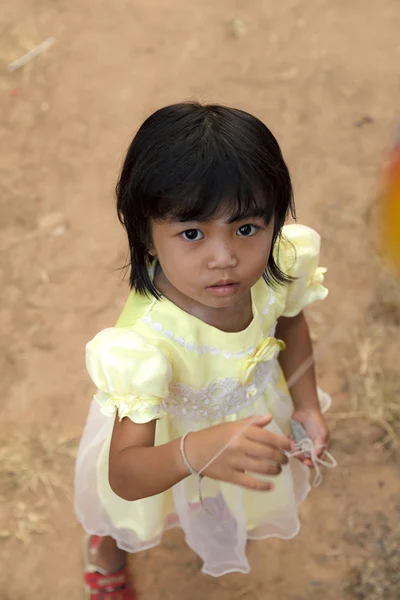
x: 321, y: 444
x: 262, y: 467
x: 261, y: 420
x: 251, y: 483
x: 269, y: 438
x: 261, y: 451
x: 304, y: 459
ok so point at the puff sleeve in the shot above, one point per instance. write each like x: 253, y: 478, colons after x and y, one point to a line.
x: 300, y: 259
x: 132, y: 376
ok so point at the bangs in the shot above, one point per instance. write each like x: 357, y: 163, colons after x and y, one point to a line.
x: 215, y: 184
x: 214, y: 197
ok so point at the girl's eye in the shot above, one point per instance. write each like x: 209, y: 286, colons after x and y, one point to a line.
x: 247, y: 230
x: 192, y: 235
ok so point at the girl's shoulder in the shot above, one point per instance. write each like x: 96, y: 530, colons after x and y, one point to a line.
x: 136, y: 307
x: 160, y: 323
x: 133, y: 338
x: 153, y: 318
x: 297, y: 242
x: 297, y: 255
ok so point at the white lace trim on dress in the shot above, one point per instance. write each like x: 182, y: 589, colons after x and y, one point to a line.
x: 220, y: 398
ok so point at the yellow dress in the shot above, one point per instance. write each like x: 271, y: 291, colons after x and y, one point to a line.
x: 161, y: 363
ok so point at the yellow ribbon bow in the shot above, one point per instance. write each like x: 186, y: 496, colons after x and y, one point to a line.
x: 318, y: 277
x: 265, y: 350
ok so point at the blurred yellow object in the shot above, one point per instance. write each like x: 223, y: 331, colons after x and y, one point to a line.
x: 390, y: 212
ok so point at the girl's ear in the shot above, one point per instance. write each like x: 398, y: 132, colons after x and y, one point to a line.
x: 152, y: 251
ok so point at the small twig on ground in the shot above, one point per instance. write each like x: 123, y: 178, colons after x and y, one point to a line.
x: 23, y: 60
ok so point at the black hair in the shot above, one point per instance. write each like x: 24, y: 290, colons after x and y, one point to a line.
x: 187, y: 161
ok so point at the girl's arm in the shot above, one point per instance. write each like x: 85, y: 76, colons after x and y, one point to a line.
x: 295, y: 333
x: 138, y: 469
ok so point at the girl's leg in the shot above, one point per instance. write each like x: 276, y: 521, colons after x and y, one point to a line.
x: 107, y: 556
x: 106, y: 573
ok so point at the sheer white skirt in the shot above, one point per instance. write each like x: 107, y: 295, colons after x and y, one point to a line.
x: 218, y: 530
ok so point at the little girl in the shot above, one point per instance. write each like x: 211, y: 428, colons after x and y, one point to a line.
x: 191, y: 420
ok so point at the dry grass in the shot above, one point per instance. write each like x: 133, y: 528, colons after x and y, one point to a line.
x: 375, y: 391
x: 374, y: 386
x: 34, y: 463
x: 373, y: 374
x: 32, y: 470
x: 25, y: 521
x: 377, y: 574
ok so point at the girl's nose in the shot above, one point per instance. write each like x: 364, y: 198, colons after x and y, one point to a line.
x: 223, y: 257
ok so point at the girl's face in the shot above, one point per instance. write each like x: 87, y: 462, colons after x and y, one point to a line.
x: 214, y: 263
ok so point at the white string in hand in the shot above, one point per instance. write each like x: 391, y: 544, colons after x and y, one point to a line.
x: 305, y: 445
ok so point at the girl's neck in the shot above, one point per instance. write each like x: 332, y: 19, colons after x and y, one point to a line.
x: 230, y: 319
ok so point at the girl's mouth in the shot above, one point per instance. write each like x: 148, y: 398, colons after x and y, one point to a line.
x: 224, y: 287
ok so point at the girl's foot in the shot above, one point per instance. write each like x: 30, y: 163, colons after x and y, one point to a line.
x: 106, y: 573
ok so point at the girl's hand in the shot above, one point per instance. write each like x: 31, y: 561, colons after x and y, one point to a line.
x: 314, y: 423
x: 254, y: 450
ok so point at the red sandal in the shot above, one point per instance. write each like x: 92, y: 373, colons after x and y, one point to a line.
x: 105, y: 586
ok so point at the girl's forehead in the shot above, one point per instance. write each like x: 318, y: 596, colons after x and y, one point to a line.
x: 227, y: 211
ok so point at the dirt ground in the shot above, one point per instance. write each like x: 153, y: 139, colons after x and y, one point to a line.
x: 325, y: 77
